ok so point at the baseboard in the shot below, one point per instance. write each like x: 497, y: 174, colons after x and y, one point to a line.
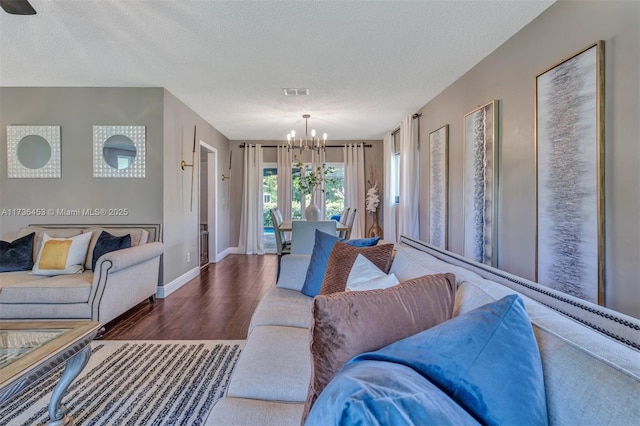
x: 164, y: 291
x: 225, y: 253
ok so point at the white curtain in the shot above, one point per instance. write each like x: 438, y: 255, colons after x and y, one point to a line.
x: 318, y: 159
x: 408, y: 222
x: 251, y: 220
x: 389, y: 207
x: 285, y: 160
x: 354, y: 186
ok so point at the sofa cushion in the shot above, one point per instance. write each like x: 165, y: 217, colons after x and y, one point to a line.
x: 365, y: 275
x: 245, y: 411
x: 409, y: 263
x: 52, y: 232
x: 275, y: 365
x: 138, y: 236
x: 17, y: 255
x: 107, y: 243
x: 347, y: 324
x: 20, y: 287
x: 324, y: 244
x: 281, y: 306
x: 487, y: 360
x: 342, y: 258
x: 58, y: 256
x: 385, y: 393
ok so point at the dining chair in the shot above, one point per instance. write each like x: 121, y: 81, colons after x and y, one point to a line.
x: 352, y: 217
x: 278, y: 214
x: 303, y: 234
x: 282, y: 246
x: 277, y: 220
x: 344, y: 215
x: 344, y: 219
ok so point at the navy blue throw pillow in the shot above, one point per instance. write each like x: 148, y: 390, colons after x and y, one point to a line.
x: 17, y: 255
x: 107, y: 243
x: 320, y: 257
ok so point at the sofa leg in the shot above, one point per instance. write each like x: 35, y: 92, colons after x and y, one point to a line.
x: 152, y: 298
x: 101, y: 331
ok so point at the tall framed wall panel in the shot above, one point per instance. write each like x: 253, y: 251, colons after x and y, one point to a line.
x: 438, y: 186
x: 569, y: 116
x: 481, y: 149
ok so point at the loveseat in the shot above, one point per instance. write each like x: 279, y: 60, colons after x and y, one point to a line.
x: 120, y: 279
x: 590, y: 355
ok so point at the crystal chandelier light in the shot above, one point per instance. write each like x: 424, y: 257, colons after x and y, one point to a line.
x: 307, y: 144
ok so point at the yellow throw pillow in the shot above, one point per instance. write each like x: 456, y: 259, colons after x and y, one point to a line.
x: 58, y: 256
x: 54, y: 254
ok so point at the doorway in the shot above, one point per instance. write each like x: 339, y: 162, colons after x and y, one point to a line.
x: 208, y: 215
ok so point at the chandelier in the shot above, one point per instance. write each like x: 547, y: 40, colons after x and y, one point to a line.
x: 307, y: 144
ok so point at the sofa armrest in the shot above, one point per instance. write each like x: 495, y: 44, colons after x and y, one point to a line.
x: 293, y: 270
x: 124, y: 278
x: 122, y: 259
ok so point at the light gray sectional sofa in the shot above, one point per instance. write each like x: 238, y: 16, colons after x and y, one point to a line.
x: 590, y: 355
x: 121, y: 279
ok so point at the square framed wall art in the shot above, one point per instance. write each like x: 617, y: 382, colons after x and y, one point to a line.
x: 481, y: 144
x: 119, y: 151
x: 33, y: 152
x: 569, y: 116
x: 438, y: 186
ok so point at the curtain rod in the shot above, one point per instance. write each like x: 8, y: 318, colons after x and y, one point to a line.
x: 414, y: 116
x: 242, y: 145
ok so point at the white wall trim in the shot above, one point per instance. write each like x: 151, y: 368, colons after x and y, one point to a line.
x: 164, y: 291
x: 225, y: 253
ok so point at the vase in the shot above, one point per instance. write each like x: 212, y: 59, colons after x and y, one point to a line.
x: 375, y: 230
x: 312, y: 212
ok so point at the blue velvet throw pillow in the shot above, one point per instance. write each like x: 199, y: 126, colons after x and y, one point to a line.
x: 320, y: 257
x: 107, y: 243
x: 17, y: 255
x: 383, y: 393
x: 486, y: 360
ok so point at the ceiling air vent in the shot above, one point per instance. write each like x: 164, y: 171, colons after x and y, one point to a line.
x: 295, y: 92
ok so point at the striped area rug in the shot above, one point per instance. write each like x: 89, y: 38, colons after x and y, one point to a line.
x: 136, y: 383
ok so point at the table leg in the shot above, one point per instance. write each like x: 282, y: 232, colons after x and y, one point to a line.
x: 75, y: 364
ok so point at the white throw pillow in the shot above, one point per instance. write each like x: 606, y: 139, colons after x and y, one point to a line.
x: 58, y: 256
x: 365, y: 275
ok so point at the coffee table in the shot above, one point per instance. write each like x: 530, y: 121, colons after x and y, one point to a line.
x: 30, y: 350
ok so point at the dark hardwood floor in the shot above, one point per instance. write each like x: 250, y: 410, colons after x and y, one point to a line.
x: 216, y: 305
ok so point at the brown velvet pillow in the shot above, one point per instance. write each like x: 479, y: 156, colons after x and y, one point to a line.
x: 342, y: 258
x: 348, y: 324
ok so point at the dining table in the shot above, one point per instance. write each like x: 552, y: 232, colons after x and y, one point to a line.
x: 286, y: 226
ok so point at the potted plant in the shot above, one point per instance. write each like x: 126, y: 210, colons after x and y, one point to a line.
x: 373, y: 202
x: 309, y: 183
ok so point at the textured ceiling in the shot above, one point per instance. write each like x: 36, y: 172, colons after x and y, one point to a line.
x: 367, y: 64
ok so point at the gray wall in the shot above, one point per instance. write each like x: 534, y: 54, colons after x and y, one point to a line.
x: 181, y: 226
x: 508, y: 74
x: 162, y: 197
x: 76, y: 110
x: 372, y: 168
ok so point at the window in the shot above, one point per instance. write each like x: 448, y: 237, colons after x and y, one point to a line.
x: 124, y: 161
x: 334, y: 192
x: 270, y: 193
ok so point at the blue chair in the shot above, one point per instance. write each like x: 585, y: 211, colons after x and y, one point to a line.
x: 303, y: 234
